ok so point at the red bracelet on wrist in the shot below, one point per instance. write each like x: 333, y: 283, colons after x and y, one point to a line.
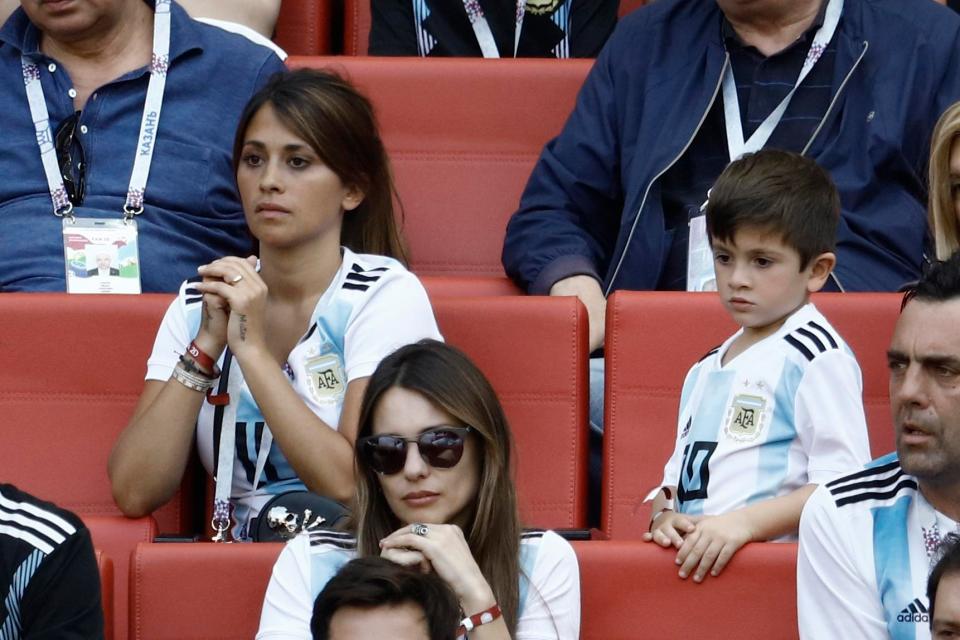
x: 202, y: 359
x: 484, y: 617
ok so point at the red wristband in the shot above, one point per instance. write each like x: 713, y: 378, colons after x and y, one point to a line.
x: 477, y: 619
x: 201, y: 358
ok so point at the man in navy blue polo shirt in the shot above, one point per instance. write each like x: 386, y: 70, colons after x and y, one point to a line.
x: 118, y: 119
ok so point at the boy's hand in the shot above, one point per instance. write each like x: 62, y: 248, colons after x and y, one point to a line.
x: 669, y: 529
x: 712, y: 543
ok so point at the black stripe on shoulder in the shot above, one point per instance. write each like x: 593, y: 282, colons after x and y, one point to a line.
x: 826, y: 334
x: 799, y: 346
x: 349, y: 545
x: 360, y: 277
x: 867, y: 484
x: 356, y: 287
x: 193, y: 299
x: 528, y: 534
x: 906, y: 483
x: 710, y: 353
x: 358, y: 269
x: 871, y: 471
x: 813, y: 338
x: 195, y: 279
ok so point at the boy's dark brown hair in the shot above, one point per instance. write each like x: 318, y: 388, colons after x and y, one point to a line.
x: 779, y: 192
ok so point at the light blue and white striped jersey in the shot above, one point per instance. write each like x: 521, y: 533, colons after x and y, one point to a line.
x: 868, y: 541
x: 372, y: 307
x: 786, y: 412
x: 549, y: 584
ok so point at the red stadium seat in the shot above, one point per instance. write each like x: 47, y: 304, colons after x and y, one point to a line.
x: 304, y: 27
x: 652, y: 340
x: 199, y: 591
x: 118, y: 537
x: 71, y: 370
x: 356, y: 27
x: 630, y: 590
x: 105, y: 567
x: 439, y: 286
x: 460, y: 149
x: 534, y: 351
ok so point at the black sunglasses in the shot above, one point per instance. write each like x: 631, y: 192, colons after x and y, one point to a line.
x: 65, y: 141
x: 440, y: 447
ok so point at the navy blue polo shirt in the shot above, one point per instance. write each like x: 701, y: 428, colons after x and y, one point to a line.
x: 192, y: 213
x: 762, y: 83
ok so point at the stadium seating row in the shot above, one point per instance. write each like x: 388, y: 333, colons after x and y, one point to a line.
x: 629, y: 591
x: 65, y: 405
x: 304, y: 27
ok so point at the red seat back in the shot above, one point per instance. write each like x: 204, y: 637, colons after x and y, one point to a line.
x: 460, y: 148
x: 199, y: 591
x: 117, y: 537
x: 304, y: 27
x: 105, y: 569
x: 356, y: 27
x: 626, y: 6
x: 652, y: 340
x: 71, y: 370
x: 630, y: 590
x: 533, y: 350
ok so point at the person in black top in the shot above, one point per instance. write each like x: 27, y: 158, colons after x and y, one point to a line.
x: 49, y: 582
x: 550, y: 28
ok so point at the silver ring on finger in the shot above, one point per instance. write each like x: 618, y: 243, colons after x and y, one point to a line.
x: 420, y: 529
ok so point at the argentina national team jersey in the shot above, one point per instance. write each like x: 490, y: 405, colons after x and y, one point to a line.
x: 372, y: 307
x: 867, y: 544
x: 786, y: 412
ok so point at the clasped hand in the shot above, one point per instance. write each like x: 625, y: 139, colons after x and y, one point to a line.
x: 234, y: 302
x: 705, y: 544
x: 444, y: 550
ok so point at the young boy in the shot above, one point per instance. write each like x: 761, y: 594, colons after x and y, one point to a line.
x: 777, y: 408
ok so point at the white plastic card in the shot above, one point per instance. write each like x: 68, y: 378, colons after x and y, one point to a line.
x: 700, y: 273
x: 101, y: 256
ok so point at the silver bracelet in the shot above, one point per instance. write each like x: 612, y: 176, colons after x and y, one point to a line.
x: 191, y: 380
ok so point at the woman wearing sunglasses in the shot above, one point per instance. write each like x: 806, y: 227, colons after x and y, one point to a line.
x: 434, y: 490
x: 267, y: 360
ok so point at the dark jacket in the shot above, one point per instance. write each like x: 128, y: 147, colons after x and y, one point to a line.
x: 593, y: 203
x: 393, y: 30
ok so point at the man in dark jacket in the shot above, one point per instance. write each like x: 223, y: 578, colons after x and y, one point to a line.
x: 681, y: 88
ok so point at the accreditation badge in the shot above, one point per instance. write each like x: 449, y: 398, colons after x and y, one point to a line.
x: 325, y: 377
x: 700, y: 273
x: 101, y: 255
x: 746, y: 417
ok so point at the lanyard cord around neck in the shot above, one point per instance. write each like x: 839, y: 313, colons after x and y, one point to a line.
x: 481, y: 28
x: 731, y: 102
x: 149, y: 123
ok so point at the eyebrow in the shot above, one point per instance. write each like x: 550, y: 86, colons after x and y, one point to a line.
x: 288, y: 147
x: 927, y: 361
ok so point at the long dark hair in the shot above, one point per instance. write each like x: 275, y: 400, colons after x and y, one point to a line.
x: 340, y: 126
x: 446, y: 376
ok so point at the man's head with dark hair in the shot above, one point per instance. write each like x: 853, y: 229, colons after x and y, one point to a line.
x: 375, y: 598
x: 780, y: 193
x: 943, y: 590
x: 924, y: 363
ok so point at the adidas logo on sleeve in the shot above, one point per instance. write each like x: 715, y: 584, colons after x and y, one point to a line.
x: 916, y: 612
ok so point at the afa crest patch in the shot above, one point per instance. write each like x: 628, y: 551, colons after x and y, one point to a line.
x: 325, y: 377
x: 746, y: 417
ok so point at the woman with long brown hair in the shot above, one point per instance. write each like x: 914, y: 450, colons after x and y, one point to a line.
x: 435, y: 490
x: 267, y: 359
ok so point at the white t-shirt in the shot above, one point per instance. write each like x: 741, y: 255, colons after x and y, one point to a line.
x: 549, y: 585
x: 786, y: 412
x: 372, y: 307
x: 867, y: 545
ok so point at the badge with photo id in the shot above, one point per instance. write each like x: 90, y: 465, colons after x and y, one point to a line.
x: 700, y: 272
x: 101, y: 256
